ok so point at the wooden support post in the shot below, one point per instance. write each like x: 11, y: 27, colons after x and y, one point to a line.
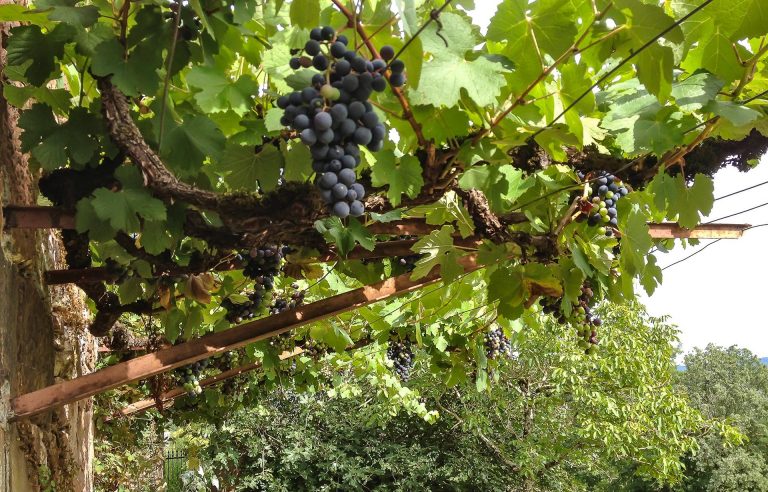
x: 216, y: 343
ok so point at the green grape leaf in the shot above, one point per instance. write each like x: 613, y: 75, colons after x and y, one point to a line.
x: 298, y: 162
x: 305, y: 13
x: 58, y: 99
x: 219, y: 93
x: 718, y: 57
x: 437, y: 249
x: 28, y: 43
x: 635, y: 238
x: 444, y: 78
x: 52, y: 145
x: 441, y: 124
x: 694, y: 92
x: 737, y: 114
x: 244, y: 168
x: 507, y: 285
x: 135, y: 75
x: 448, y: 209
x: 186, y: 146
x: 86, y: 220
x: 654, y: 69
x: 400, y: 175
x: 65, y: 11
x: 548, y: 24
x: 332, y: 335
x: 694, y: 200
x: 122, y: 208
x: 345, y: 238
x: 502, y: 185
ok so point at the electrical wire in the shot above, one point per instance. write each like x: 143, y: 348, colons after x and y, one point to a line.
x: 741, y: 191
x: 735, y: 214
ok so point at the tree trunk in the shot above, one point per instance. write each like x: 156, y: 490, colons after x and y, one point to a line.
x: 42, y: 338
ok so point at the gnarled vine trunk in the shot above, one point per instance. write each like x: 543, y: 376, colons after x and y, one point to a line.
x: 43, y: 338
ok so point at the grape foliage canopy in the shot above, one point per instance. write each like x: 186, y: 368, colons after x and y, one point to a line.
x: 229, y: 160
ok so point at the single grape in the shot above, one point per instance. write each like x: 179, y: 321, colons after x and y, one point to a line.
x: 301, y: 122
x: 359, y: 64
x: 327, y: 33
x: 320, y: 62
x: 362, y: 136
x: 318, y: 80
x: 333, y: 166
x: 356, y: 208
x: 295, y: 99
x: 294, y: 63
x: 335, y: 152
x: 397, y: 66
x: 308, y: 93
x: 323, y: 121
x: 338, y: 49
x: 387, y: 52
x: 326, y: 136
x: 327, y: 180
x: 347, y: 128
x: 342, y: 67
x: 350, y: 83
x: 347, y: 176
x: 308, y: 136
x: 282, y: 102
x: 379, y: 84
x: 356, y: 110
x: 370, y: 120
x: 341, y: 209
x: 397, y: 79
x: 359, y: 189
x: 339, y: 112
x: 339, y: 191
x: 316, y: 34
x: 348, y: 162
x: 312, y: 47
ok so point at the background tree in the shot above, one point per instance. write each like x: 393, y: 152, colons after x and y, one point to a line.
x: 553, y: 420
x: 728, y: 383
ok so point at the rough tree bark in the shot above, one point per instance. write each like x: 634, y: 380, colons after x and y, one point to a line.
x: 42, y: 339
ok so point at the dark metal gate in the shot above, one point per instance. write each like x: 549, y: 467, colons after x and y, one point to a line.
x: 174, y: 464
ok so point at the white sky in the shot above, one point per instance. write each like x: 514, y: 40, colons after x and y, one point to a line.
x: 721, y: 295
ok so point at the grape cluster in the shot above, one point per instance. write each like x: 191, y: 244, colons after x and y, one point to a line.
x: 497, y: 344
x: 191, y: 374
x: 334, y: 117
x: 582, y: 316
x: 282, y: 304
x: 239, y: 312
x: 282, y: 343
x: 263, y: 261
x: 400, y: 353
x: 228, y: 360
x: 600, y: 207
x: 315, y: 349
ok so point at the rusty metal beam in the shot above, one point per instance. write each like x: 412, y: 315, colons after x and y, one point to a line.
x: 165, y: 360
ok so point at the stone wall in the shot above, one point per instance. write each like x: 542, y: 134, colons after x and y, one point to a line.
x: 43, y: 338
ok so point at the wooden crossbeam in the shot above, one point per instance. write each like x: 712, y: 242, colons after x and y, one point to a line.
x: 36, y: 217
x: 164, y: 360
x: 670, y: 230
x: 170, y: 395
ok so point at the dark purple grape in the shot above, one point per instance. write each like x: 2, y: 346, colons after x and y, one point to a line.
x: 312, y: 47
x: 322, y: 121
x: 348, y: 162
x: 316, y: 34
x: 339, y: 112
x: 347, y: 177
x: 359, y: 64
x: 339, y: 191
x: 320, y: 62
x: 356, y: 110
x: 342, y: 39
x: 338, y: 49
x: 362, y: 136
x: 356, y: 208
x: 387, y: 52
x: 327, y: 180
x: 370, y: 120
x: 359, y: 189
x: 294, y: 63
x: 301, y: 122
x: 328, y: 33
x: 350, y: 83
x: 397, y: 79
x: 397, y: 66
x: 335, y: 152
x: 318, y: 80
x: 341, y: 210
x: 308, y: 136
x: 295, y: 98
x: 378, y: 65
x: 282, y: 102
x: 379, y: 84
